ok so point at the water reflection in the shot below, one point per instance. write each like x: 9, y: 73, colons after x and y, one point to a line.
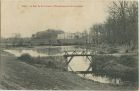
x: 102, y: 79
x: 79, y: 64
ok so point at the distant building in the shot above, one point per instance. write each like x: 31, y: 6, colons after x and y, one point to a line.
x: 76, y: 35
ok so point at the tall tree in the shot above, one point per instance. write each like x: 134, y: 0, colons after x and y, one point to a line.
x: 121, y: 25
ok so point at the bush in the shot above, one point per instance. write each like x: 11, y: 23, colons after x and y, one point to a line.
x: 124, y: 67
x: 101, y: 52
x: 54, y: 62
x: 25, y: 57
x: 48, y: 62
x: 112, y: 50
x: 129, y: 61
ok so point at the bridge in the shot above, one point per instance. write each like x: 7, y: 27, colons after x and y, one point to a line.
x: 90, y: 56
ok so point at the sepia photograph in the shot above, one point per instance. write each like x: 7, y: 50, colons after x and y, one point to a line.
x: 69, y: 45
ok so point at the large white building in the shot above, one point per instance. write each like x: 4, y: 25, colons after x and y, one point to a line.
x: 69, y: 35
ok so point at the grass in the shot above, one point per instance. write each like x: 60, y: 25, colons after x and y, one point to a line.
x: 130, y: 61
x: 124, y: 67
x: 55, y: 62
x: 26, y: 76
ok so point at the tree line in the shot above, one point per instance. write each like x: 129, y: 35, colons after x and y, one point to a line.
x: 121, y: 25
x: 119, y: 28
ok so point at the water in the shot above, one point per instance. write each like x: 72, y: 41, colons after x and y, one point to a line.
x: 77, y: 64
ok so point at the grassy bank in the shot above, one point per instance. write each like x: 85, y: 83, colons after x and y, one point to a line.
x: 124, y: 67
x: 54, y: 62
x: 18, y: 74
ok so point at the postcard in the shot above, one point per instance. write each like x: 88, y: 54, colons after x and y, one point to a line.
x: 69, y: 45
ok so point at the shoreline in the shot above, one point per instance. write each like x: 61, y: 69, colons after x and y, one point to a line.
x: 43, y: 72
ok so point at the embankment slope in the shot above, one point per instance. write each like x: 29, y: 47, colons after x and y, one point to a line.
x: 16, y: 74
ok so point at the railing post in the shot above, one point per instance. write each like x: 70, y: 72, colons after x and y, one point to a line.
x: 66, y: 60
x: 92, y: 59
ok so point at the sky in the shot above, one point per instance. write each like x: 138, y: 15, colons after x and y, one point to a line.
x: 26, y: 17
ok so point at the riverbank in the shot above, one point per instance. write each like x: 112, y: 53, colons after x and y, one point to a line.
x: 16, y: 74
x: 124, y: 67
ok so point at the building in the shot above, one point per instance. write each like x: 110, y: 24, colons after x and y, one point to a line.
x: 76, y: 35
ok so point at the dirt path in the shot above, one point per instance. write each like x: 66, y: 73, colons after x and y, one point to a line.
x: 20, y: 75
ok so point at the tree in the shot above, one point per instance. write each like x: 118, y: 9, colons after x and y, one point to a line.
x: 122, y: 20
x: 121, y: 25
x: 17, y: 40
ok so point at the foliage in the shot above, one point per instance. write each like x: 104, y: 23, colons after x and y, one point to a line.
x: 25, y: 57
x: 129, y: 61
x: 124, y: 67
x: 48, y: 62
x: 121, y: 26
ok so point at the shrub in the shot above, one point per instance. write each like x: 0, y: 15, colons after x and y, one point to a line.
x: 48, y: 62
x: 129, y: 61
x: 25, y: 57
x: 112, y: 50
x: 124, y: 67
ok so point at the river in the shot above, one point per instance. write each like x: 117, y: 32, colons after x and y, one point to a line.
x: 77, y: 63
